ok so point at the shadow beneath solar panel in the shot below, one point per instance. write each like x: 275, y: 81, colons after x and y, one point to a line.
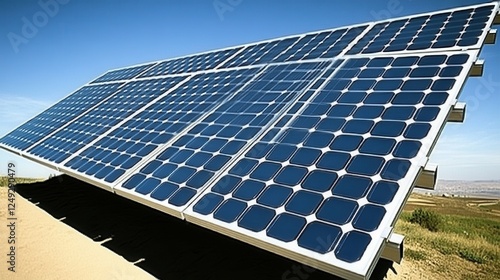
x: 166, y: 247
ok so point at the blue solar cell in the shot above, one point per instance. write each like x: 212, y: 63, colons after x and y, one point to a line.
x: 305, y: 156
x: 399, y: 113
x: 388, y: 128
x: 133, y: 181
x: 248, y: 189
x: 377, y: 146
x: 341, y: 111
x: 199, y: 179
x: 330, y: 124
x: 256, y: 218
x: 383, y: 192
x: 217, y: 162
x: 395, y: 169
x: 352, y: 246
x: 352, y: 186
x: 227, y: 184
x: 333, y: 160
x: 346, y: 142
x: 319, y: 181
x: 337, y: 210
x: 291, y: 175
x: 181, y: 174
x: 243, y: 167
x: 379, y: 97
x: 207, y: 204
x: 368, y: 112
x: 365, y: 165
x: 369, y: 217
x: 319, y: 237
x: 427, y: 114
x: 164, y: 191
x: 318, y: 139
x: 286, y: 227
x: 407, y: 149
x: 182, y: 196
x: 265, y: 171
x: 304, y: 202
x: 358, y: 126
x: 148, y: 185
x: 230, y: 210
x: 275, y: 196
x: 281, y: 152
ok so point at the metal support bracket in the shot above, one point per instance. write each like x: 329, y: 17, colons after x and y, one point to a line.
x: 457, y: 113
x: 394, y: 248
x: 477, y: 69
x: 427, y: 177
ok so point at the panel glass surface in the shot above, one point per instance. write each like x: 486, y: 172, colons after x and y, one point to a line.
x: 122, y: 74
x: 459, y: 28
x: 192, y: 63
x: 124, y: 147
x: 187, y: 165
x: 131, y: 97
x: 58, y: 115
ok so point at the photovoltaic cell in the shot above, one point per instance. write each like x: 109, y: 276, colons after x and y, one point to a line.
x: 307, y: 145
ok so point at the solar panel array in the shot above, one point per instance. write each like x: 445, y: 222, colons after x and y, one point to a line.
x: 307, y: 146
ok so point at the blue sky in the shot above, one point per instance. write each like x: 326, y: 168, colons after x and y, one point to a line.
x: 49, y: 48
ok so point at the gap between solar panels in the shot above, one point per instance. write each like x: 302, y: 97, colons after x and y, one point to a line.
x: 307, y: 146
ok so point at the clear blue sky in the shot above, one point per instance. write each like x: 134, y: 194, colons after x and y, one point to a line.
x: 46, y: 53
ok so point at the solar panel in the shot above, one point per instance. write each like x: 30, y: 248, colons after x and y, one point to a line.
x: 307, y: 146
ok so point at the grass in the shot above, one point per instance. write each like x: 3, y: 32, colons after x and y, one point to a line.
x: 467, y: 236
x: 425, y: 218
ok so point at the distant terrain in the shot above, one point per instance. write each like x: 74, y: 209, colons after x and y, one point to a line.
x: 486, y: 189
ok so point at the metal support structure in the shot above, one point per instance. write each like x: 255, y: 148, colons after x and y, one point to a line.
x: 394, y: 248
x: 427, y: 177
x: 477, y: 68
x: 457, y: 113
x: 491, y: 37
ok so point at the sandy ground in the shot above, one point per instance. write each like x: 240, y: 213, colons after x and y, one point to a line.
x: 49, y: 249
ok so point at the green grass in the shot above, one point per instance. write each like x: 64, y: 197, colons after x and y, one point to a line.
x: 425, y: 218
x: 467, y: 232
x: 417, y: 255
